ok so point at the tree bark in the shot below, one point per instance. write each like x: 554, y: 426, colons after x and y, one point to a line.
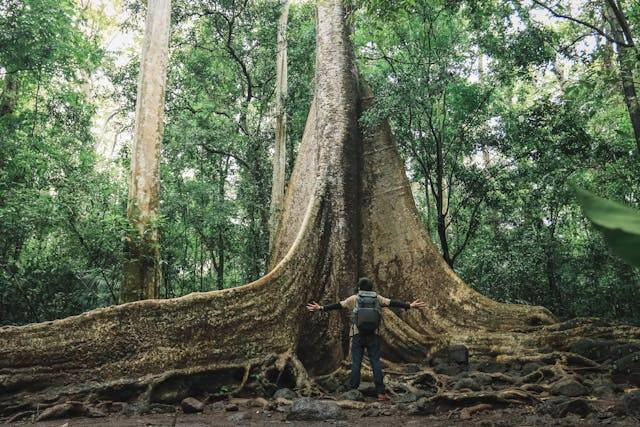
x: 280, y: 147
x: 142, y: 270
x: 348, y: 212
x: 9, y: 95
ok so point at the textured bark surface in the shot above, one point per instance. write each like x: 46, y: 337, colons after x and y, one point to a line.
x: 142, y: 271
x: 348, y: 212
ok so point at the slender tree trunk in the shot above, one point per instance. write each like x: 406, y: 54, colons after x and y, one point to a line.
x: 9, y: 95
x: 142, y: 270
x: 441, y: 204
x: 626, y: 59
x: 280, y: 147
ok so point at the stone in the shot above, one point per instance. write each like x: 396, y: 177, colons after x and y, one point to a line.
x: 368, y: 389
x: 217, y: 406
x: 191, y: 405
x: 627, y: 369
x: 352, y: 395
x: 258, y: 402
x: 594, y: 349
x: 603, y: 391
x: 285, y: 393
x: 231, y: 407
x: 579, y: 407
x: 467, y: 383
x: 447, y: 369
x: 308, y: 409
x: 238, y: 417
x: 568, y: 387
x: 423, y: 406
x: 530, y: 367
x: 492, y: 367
x: 629, y: 404
x: 405, y: 398
x: 482, y: 378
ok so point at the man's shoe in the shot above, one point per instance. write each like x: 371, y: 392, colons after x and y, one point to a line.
x: 383, y: 397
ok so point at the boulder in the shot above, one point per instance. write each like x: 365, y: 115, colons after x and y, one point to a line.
x: 352, y: 395
x: 231, y: 407
x: 308, y: 409
x: 447, y: 369
x: 404, y: 398
x: 482, y: 378
x: 568, y: 387
x: 191, y: 405
x: 286, y: 394
x: 627, y: 369
x: 423, y: 406
x: 492, y: 367
x: 368, y: 389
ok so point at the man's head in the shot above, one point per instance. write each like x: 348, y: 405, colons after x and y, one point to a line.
x: 365, y: 284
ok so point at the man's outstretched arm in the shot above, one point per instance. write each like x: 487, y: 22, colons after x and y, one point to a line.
x: 314, y: 306
x: 402, y: 304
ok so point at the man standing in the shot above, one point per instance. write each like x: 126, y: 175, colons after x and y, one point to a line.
x: 365, y: 306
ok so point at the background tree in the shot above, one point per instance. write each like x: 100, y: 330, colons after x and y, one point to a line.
x: 142, y: 270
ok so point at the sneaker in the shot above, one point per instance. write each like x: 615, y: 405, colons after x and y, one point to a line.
x: 383, y: 397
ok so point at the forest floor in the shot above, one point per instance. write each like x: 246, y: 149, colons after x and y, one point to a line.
x: 595, y: 383
x: 253, y: 417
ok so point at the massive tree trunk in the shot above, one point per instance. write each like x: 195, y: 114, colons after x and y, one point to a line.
x: 280, y: 147
x: 142, y: 276
x: 348, y: 212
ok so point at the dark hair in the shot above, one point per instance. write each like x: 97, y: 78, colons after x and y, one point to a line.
x: 365, y: 284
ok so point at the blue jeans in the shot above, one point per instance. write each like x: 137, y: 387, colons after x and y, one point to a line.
x: 372, y: 344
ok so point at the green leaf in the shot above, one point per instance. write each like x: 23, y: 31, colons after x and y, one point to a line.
x: 619, y: 224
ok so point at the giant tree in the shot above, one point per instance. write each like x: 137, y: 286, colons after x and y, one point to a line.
x: 348, y: 212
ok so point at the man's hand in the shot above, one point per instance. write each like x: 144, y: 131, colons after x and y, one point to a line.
x: 417, y: 304
x: 314, y: 306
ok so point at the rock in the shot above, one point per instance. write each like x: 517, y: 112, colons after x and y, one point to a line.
x: 308, y: 409
x: 405, y: 398
x: 368, y: 389
x: 492, y: 367
x: 423, y: 406
x: 258, y: 402
x: 446, y: 369
x: 482, y: 378
x: 371, y: 412
x: 603, y: 391
x: 285, y: 393
x: 352, y: 395
x: 453, y: 353
x: 467, y: 383
x: 191, y: 405
x: 236, y: 418
x: 331, y: 384
x: 597, y: 350
x: 622, y: 350
x: 574, y: 406
x: 627, y: 369
x: 568, y: 387
x: 629, y: 404
x: 530, y: 367
x: 217, y: 406
x: 231, y: 407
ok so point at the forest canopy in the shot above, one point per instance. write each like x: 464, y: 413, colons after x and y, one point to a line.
x: 498, y: 108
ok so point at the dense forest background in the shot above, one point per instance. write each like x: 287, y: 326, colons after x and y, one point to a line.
x: 498, y: 107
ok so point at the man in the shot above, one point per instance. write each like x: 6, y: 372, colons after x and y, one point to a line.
x: 364, y: 325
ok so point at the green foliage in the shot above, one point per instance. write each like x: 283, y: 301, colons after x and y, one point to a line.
x: 619, y: 224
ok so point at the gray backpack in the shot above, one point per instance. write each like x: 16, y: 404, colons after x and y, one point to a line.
x: 366, y: 314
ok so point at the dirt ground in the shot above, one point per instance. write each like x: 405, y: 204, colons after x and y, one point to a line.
x: 257, y: 417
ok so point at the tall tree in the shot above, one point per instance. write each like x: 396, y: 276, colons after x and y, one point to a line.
x: 142, y: 269
x: 280, y: 146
